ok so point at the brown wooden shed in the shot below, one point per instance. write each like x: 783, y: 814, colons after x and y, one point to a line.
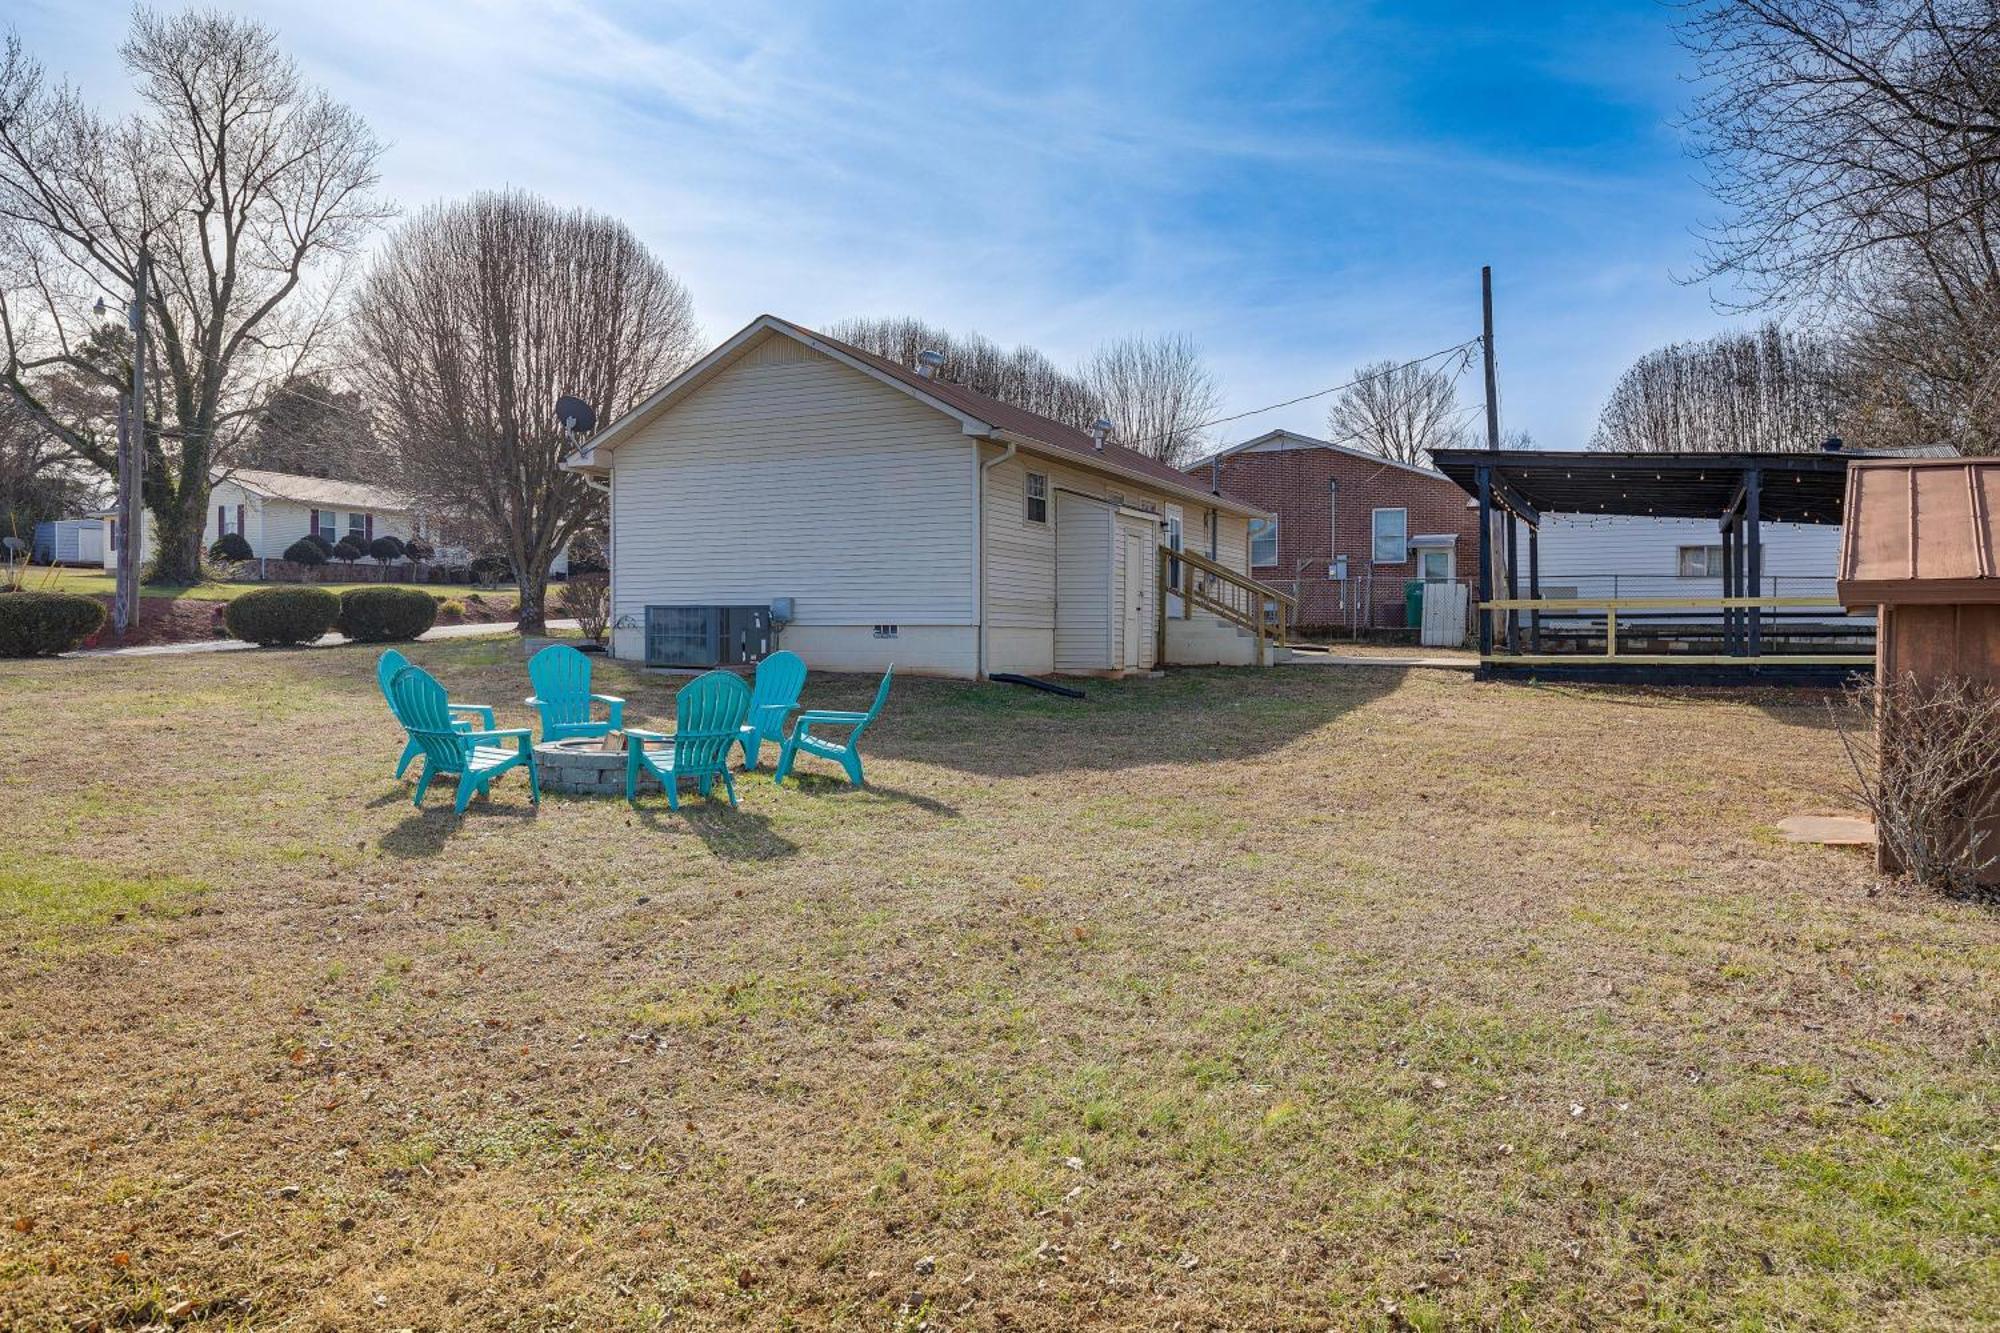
x: 1921, y: 548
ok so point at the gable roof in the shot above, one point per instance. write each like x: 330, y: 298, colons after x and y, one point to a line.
x: 1921, y: 530
x: 1291, y: 439
x: 321, y: 492
x: 979, y: 415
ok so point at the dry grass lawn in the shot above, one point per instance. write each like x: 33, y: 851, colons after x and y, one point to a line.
x: 1301, y: 999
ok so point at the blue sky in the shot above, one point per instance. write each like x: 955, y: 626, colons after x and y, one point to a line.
x: 1301, y: 188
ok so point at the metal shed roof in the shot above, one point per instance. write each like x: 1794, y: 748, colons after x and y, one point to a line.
x: 1921, y: 530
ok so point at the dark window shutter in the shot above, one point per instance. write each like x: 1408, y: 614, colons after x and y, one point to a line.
x: 221, y: 519
x: 315, y: 521
x: 239, y: 522
x: 368, y: 528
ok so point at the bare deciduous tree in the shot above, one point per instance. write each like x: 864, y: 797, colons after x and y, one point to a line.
x: 476, y: 317
x: 1023, y: 376
x: 1157, y: 394
x: 1924, y: 769
x: 1771, y: 389
x: 243, y: 182
x: 1399, y: 412
x: 1856, y: 150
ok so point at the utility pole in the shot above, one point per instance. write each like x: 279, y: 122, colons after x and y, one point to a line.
x: 131, y: 456
x: 1486, y: 347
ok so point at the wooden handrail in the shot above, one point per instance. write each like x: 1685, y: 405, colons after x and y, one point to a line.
x: 1239, y: 601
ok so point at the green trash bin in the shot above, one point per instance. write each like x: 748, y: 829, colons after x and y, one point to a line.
x: 1413, y: 603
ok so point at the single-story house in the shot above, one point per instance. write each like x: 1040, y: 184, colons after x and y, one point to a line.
x: 882, y: 514
x: 1348, y: 529
x: 274, y: 509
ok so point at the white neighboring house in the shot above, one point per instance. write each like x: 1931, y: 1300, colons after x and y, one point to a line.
x: 274, y: 509
x: 904, y: 519
x: 1624, y: 555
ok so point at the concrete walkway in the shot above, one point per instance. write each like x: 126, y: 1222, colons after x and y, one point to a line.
x: 433, y: 635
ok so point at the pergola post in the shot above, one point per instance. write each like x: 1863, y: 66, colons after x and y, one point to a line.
x: 1484, y: 475
x: 1513, y: 580
x: 1535, y: 586
x: 1753, y: 558
x: 1729, y: 583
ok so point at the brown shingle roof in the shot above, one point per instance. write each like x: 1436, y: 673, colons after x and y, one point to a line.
x: 1020, y: 421
x: 1921, y: 530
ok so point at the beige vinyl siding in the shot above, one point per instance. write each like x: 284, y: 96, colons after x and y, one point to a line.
x: 285, y: 521
x: 1085, y: 636
x: 1021, y: 556
x: 791, y: 475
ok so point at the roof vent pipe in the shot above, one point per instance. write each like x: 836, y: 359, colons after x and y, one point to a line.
x: 1099, y: 429
x: 1831, y: 445
x: 928, y: 362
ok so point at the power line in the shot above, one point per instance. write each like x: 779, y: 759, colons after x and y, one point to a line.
x: 1318, y: 393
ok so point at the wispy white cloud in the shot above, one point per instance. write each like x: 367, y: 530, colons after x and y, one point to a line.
x: 1302, y: 192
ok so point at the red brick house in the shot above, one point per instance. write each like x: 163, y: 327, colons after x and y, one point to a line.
x: 1352, y: 528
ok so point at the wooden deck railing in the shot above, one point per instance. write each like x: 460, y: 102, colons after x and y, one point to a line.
x: 1232, y: 597
x: 1611, y: 606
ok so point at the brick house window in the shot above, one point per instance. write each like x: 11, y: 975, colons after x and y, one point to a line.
x: 1038, y: 497
x: 1392, y: 536
x: 1263, y: 542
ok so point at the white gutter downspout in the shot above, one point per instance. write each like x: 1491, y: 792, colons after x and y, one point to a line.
x: 979, y: 548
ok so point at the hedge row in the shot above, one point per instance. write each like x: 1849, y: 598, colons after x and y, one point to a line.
x: 282, y: 615
x: 379, y: 615
x: 33, y: 624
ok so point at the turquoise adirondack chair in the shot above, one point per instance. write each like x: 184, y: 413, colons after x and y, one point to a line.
x: 708, y: 718
x: 475, y: 757
x: 393, y: 661
x: 780, y: 677
x: 846, y: 753
x: 561, y: 677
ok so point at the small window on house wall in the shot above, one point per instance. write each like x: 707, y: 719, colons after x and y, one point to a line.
x: 1038, y: 498
x: 1392, y: 536
x: 328, y: 527
x: 1263, y: 542
x: 357, y: 525
x: 1701, y: 562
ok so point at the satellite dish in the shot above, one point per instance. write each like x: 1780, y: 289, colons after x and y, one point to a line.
x: 574, y: 415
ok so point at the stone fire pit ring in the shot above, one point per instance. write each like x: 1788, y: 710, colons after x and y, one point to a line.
x: 581, y: 766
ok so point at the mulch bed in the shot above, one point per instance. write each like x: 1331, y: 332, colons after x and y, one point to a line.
x: 194, y: 620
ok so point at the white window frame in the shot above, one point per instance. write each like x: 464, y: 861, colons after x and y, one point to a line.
x: 1272, y: 563
x: 1174, y: 524
x: 1424, y: 553
x: 329, y: 526
x: 1375, y: 536
x: 1711, y: 561
x: 1029, y: 497
x: 357, y: 526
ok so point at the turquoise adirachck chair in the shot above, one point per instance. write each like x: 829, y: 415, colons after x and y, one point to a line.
x: 846, y: 753
x: 708, y: 719
x: 780, y: 677
x: 475, y: 757
x: 385, y: 671
x: 561, y: 677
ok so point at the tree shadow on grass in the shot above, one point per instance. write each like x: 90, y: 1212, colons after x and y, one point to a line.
x: 729, y: 833
x: 825, y: 785
x: 1185, y: 716
x: 427, y: 832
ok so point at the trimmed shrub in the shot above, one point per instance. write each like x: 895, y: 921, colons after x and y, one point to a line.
x: 380, y: 615
x: 282, y: 615
x: 325, y: 546
x: 349, y: 548
x: 451, y: 609
x: 230, y: 546
x: 419, y: 550
x: 306, y: 551
x: 386, y: 549
x: 35, y: 623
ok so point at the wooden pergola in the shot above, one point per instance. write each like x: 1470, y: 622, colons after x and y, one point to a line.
x: 1739, y: 491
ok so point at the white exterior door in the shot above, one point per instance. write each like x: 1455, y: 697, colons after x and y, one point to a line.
x: 1136, y: 583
